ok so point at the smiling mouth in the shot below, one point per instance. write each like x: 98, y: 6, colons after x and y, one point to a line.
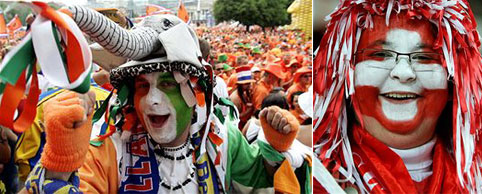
x: 157, y: 121
x: 398, y: 97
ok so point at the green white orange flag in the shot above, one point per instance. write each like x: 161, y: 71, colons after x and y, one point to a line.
x: 59, y: 47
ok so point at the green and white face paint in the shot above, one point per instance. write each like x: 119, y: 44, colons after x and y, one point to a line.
x: 161, y: 107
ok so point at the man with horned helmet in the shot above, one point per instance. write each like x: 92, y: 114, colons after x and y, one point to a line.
x: 160, y: 130
x: 397, y: 92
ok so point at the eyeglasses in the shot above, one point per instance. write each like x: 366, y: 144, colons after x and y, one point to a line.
x: 306, y: 76
x: 416, y: 59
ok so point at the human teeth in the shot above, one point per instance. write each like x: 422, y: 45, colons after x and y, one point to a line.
x: 392, y: 95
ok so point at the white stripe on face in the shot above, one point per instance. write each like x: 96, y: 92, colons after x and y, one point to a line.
x: 399, y: 112
x: 156, y: 102
x: 374, y: 73
x: 403, y: 78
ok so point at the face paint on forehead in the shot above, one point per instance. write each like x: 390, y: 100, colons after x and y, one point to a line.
x: 377, y: 37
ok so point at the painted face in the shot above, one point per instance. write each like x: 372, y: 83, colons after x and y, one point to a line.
x: 160, y: 106
x: 218, y: 69
x: 399, y: 100
x: 273, y: 80
x: 306, y: 78
x: 296, y: 104
x: 256, y: 75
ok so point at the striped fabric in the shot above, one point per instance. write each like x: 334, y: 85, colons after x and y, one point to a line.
x: 67, y: 65
x: 135, y: 44
x: 244, y: 73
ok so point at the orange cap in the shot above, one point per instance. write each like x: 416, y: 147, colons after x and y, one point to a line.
x: 301, y: 71
x: 275, y: 69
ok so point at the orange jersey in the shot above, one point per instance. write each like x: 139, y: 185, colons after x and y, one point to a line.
x: 242, y: 107
x: 297, y: 87
x: 261, y: 90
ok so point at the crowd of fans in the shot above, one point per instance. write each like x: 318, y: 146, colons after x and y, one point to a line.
x: 254, y: 63
x: 254, y: 69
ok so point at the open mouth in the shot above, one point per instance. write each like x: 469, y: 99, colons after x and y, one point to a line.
x: 157, y: 121
x: 400, y: 97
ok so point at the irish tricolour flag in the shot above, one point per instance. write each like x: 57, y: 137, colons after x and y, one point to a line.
x: 57, y: 45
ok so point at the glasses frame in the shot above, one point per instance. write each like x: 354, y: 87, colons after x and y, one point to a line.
x: 397, y: 54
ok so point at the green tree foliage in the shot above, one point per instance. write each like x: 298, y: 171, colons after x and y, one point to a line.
x: 10, y: 9
x: 265, y: 13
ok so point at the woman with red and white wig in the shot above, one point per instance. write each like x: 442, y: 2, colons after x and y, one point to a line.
x: 397, y: 98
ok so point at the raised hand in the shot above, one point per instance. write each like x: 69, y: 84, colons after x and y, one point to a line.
x: 280, y: 127
x: 67, y: 119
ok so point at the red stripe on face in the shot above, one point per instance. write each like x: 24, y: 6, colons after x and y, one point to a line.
x: 429, y: 105
x: 141, y: 90
x: 375, y: 38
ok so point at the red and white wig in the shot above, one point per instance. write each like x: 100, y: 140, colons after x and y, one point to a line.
x: 457, y: 40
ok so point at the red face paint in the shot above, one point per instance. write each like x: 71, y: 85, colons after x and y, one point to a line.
x: 429, y: 105
x: 393, y: 93
x: 375, y: 37
x: 142, y: 88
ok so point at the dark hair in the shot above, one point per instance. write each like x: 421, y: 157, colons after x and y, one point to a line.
x: 205, y: 48
x: 240, y: 92
x: 292, y: 97
x: 307, y: 121
x: 276, y: 100
x: 276, y: 90
x: 273, y: 99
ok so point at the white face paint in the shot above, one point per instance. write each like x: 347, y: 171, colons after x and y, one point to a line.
x: 157, y: 112
x: 404, y: 80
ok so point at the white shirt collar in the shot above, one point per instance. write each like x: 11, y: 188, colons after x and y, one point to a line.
x: 418, y: 160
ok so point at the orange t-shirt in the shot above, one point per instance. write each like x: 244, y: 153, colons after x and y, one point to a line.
x: 231, y: 83
x: 232, y: 80
x: 295, y: 88
x: 242, y: 107
x: 261, y: 90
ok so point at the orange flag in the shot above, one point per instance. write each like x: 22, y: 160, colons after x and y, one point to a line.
x: 182, y: 12
x: 13, y: 25
x: 156, y: 9
x: 3, y: 27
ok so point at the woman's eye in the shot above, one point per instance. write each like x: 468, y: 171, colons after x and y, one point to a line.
x: 422, y: 57
x: 167, y: 84
x: 383, y: 54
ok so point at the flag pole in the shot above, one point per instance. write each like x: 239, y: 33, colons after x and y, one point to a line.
x: 198, y: 11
